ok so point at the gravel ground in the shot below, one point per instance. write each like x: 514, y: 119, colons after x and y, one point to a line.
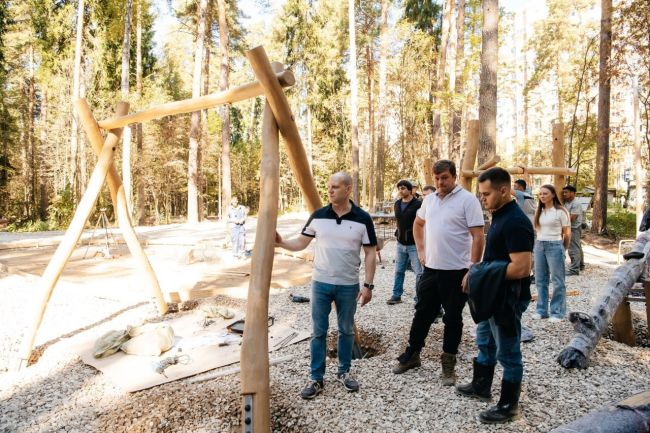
x: 59, y: 393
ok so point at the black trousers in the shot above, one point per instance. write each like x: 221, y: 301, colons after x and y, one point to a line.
x: 438, y: 287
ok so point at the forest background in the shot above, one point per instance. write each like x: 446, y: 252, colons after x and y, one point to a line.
x: 381, y: 85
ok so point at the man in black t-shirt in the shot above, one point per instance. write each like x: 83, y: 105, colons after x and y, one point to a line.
x: 509, y: 239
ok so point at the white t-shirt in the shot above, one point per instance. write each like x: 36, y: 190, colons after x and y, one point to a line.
x: 447, y: 241
x: 551, y: 222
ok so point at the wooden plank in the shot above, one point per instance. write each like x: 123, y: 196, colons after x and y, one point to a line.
x: 646, y: 288
x: 471, y: 150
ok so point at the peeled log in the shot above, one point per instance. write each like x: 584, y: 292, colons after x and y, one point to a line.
x: 631, y: 415
x: 589, y: 327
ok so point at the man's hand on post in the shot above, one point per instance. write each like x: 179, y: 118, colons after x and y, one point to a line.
x: 365, y: 294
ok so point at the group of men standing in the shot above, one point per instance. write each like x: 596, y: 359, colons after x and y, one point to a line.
x: 442, y: 237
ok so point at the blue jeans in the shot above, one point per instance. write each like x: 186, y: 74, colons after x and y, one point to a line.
x: 549, y: 260
x: 404, y: 254
x: 238, y: 239
x: 494, y: 345
x: 345, y: 299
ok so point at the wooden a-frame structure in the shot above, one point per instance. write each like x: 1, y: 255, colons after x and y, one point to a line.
x: 277, y: 117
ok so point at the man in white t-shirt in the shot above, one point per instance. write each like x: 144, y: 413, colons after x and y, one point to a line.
x: 448, y: 232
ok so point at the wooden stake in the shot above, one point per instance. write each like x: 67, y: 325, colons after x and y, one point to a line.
x: 120, y: 205
x: 284, y: 79
x: 428, y: 171
x: 73, y: 233
x: 255, y: 350
x: 622, y: 323
x: 471, y: 150
x: 286, y: 122
x: 559, y: 179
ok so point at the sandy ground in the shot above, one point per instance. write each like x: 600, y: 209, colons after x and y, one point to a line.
x: 60, y: 393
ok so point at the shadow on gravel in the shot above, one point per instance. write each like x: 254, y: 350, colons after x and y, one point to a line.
x: 371, y: 344
x: 38, y: 351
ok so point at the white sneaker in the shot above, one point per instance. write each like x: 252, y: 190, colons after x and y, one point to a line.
x: 537, y: 316
x: 554, y: 319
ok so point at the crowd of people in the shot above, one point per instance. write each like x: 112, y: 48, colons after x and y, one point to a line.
x: 441, y: 236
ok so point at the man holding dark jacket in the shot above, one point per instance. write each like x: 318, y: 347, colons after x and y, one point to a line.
x: 406, y: 208
x: 509, y: 241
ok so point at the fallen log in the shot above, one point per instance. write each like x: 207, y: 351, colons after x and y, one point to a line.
x: 589, y: 327
x: 631, y: 415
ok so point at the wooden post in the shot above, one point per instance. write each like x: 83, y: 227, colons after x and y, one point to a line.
x: 247, y: 91
x: 287, y: 125
x: 622, y: 323
x: 118, y: 196
x: 559, y: 180
x: 254, y: 351
x: 428, y: 171
x: 73, y: 233
x: 471, y: 150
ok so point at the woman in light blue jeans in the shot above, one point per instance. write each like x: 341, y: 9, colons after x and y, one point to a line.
x: 553, y: 230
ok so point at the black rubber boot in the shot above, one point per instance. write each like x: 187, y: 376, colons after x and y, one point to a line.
x: 481, y: 385
x: 508, y: 407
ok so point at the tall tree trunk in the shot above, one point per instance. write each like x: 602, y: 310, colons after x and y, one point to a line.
x: 526, y: 149
x: 44, y: 166
x: 436, y: 145
x: 195, y: 120
x: 381, y: 143
x: 457, y: 107
x: 599, y: 223
x: 31, y: 147
x: 371, y: 127
x: 124, y: 88
x: 353, y: 102
x: 204, y: 116
x: 76, y: 83
x: 487, y: 113
x: 224, y: 110
x: 141, y: 195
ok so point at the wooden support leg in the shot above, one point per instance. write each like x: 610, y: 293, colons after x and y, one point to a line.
x: 256, y: 413
x: 119, y: 202
x: 64, y: 250
x: 646, y: 288
x: 622, y: 322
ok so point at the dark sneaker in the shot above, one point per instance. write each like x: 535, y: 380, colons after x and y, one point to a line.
x: 349, y: 382
x: 312, y: 390
x: 394, y: 300
x: 406, y: 361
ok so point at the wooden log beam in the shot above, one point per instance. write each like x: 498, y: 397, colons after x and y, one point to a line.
x: 69, y: 242
x: 255, y: 351
x: 529, y: 170
x: 559, y: 179
x: 471, y: 150
x: 630, y: 416
x: 590, y: 326
x: 287, y: 125
x: 285, y: 78
x: 118, y: 196
x: 490, y: 163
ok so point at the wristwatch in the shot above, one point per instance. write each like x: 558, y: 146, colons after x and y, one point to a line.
x: 368, y: 286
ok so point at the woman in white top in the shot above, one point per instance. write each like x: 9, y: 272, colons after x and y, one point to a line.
x: 553, y: 229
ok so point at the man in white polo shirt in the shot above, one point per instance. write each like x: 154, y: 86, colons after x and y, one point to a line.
x: 448, y: 232
x: 340, y: 229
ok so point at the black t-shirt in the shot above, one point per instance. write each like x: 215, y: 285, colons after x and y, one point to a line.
x: 510, y: 232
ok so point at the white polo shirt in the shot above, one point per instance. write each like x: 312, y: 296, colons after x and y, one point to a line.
x: 447, y: 241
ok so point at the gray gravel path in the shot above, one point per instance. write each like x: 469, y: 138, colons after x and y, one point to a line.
x: 59, y: 393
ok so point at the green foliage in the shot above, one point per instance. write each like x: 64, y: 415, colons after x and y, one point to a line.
x: 621, y: 224
x: 425, y: 15
x: 28, y: 226
x: 61, y: 210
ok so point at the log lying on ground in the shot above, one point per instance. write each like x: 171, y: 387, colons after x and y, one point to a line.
x: 631, y: 415
x: 589, y: 327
